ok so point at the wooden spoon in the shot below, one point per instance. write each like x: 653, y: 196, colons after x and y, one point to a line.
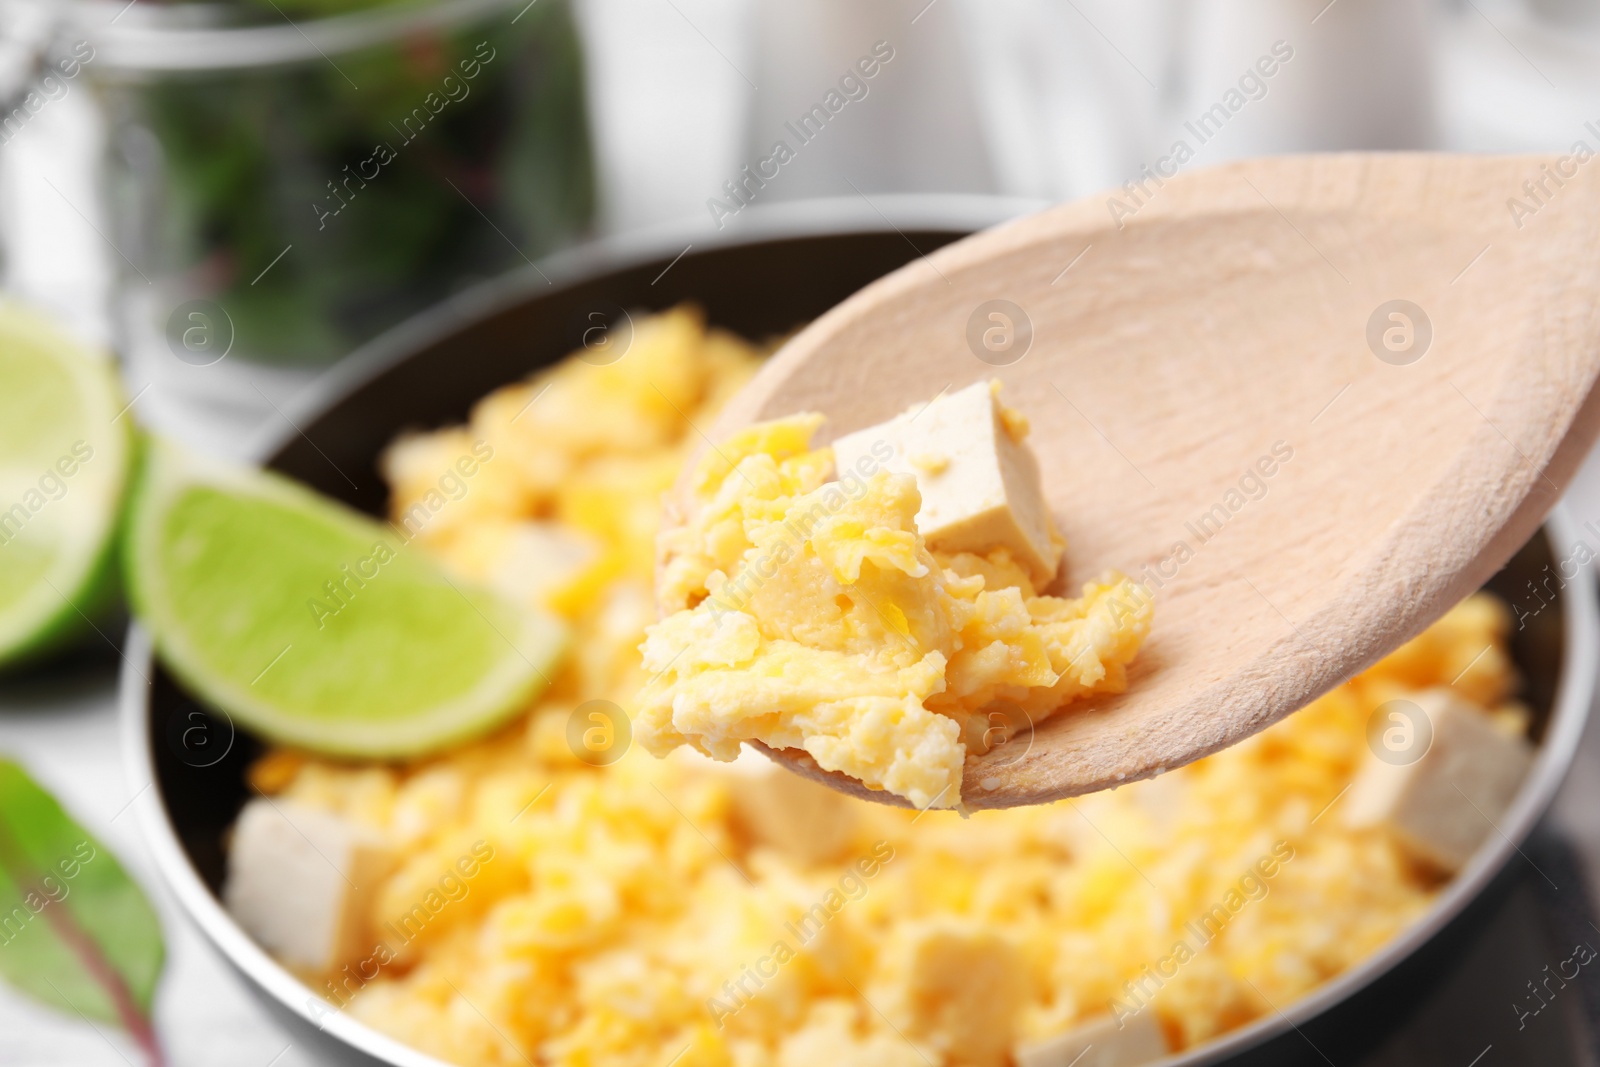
x: 1313, y: 402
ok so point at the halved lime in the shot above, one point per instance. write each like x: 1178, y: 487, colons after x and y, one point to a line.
x: 318, y: 626
x: 65, y: 449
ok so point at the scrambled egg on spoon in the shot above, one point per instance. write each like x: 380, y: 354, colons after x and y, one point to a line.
x: 876, y: 603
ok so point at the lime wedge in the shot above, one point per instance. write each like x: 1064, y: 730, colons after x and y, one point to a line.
x: 65, y: 451
x: 318, y: 626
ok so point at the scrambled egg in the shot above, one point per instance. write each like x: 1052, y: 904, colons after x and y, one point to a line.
x: 638, y: 914
x: 809, y: 614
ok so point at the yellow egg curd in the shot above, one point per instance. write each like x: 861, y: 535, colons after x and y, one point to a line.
x: 808, y: 613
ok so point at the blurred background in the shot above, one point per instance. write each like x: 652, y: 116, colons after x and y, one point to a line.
x: 281, y: 179
x: 235, y: 194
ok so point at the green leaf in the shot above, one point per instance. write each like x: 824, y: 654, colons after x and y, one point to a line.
x: 75, y: 931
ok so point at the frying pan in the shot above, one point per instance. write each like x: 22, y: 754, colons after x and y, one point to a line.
x: 776, y: 270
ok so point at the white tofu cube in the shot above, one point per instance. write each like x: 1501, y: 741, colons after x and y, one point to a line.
x: 1097, y: 1043
x: 302, y: 882
x: 1440, y: 807
x: 781, y: 810
x: 959, y: 984
x: 979, y: 480
x: 537, y: 560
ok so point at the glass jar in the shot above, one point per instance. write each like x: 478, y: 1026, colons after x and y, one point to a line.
x: 305, y: 184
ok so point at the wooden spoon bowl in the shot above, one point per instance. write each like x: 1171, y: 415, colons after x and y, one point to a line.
x: 1312, y: 402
